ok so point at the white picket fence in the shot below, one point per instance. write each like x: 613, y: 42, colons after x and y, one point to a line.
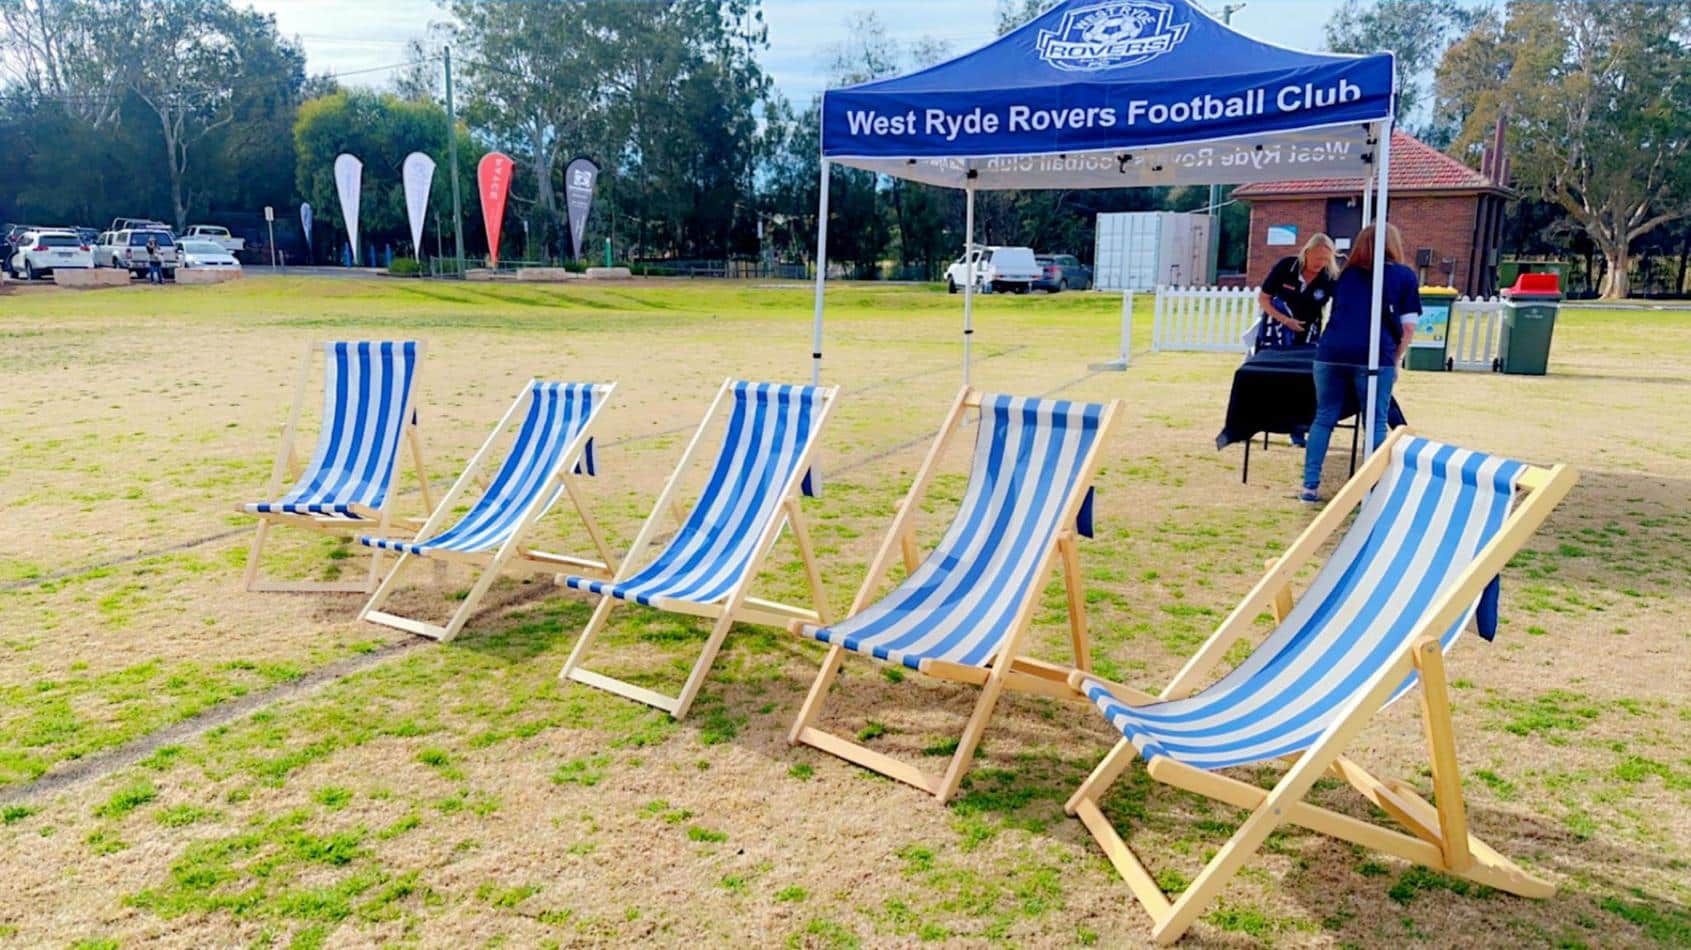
x: 1471, y: 340
x: 1223, y: 320
x: 1204, y: 319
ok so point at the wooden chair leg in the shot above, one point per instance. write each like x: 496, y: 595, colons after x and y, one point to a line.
x: 375, y: 576
x: 1104, y: 775
x: 818, y: 693
x: 1214, y: 877
x: 416, y: 443
x: 588, y: 633
x: 472, y: 600
x: 912, y: 557
x: 593, y: 532
x: 965, y: 754
x: 1441, y: 744
x: 1069, y: 550
x: 255, y: 554
x: 696, y: 679
x: 385, y: 590
x: 807, y: 553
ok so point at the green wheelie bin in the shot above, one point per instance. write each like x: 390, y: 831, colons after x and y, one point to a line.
x: 1432, y: 330
x: 1529, y: 318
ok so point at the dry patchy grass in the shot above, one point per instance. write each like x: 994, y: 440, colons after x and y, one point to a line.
x: 459, y: 794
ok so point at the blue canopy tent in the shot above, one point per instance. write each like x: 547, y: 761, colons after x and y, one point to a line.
x: 1114, y: 94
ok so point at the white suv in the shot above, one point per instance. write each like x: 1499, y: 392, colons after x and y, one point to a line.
x: 40, y: 253
x: 995, y: 268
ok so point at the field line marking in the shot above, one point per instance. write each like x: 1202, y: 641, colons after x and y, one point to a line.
x: 101, y: 764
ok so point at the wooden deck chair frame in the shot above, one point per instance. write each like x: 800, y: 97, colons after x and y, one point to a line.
x: 1439, y: 836
x: 1008, y: 668
x: 511, y: 554
x: 288, y: 465
x: 738, y: 605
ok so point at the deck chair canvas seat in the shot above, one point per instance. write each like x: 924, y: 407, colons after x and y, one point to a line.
x: 964, y: 612
x: 704, y: 570
x: 369, y: 410
x: 552, y: 445
x: 1434, y: 527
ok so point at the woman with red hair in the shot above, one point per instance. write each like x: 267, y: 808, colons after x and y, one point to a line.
x: 1341, y: 358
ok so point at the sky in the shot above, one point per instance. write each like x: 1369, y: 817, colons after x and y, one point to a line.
x: 353, y: 40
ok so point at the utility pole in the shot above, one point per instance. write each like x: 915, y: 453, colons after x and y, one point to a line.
x: 452, y: 159
x: 1227, y: 11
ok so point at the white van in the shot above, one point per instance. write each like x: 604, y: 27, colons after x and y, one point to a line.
x: 995, y: 268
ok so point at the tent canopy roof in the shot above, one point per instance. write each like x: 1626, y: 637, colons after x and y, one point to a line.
x: 1103, y: 89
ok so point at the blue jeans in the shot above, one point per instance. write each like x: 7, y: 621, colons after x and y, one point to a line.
x: 1334, y: 383
x: 155, y: 272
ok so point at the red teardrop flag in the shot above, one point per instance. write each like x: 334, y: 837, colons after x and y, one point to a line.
x: 493, y: 174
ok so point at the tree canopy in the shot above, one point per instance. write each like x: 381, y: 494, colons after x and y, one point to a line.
x: 1597, y: 102
x: 195, y: 108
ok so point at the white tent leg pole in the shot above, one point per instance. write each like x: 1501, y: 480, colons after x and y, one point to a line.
x: 821, y: 277
x: 1379, y: 282
x: 1126, y: 328
x: 1368, y: 201
x: 1120, y: 363
x: 969, y: 286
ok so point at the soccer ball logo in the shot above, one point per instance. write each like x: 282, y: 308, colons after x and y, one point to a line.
x: 1111, y: 34
x: 1102, y: 27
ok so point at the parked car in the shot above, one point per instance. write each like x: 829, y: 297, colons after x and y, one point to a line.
x: 11, y: 235
x: 1061, y: 272
x: 40, y: 253
x: 199, y: 253
x: 132, y: 224
x: 128, y: 249
x: 217, y: 234
x: 996, y: 268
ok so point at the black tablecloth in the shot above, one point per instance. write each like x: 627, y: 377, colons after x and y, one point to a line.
x: 1274, y: 391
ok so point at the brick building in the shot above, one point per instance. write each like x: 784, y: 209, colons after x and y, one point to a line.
x: 1451, y: 215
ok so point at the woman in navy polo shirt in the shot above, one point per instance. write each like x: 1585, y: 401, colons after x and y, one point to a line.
x: 1294, y: 298
x: 1341, y: 358
x: 1294, y: 295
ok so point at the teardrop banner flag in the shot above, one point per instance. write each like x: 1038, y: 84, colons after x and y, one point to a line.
x: 579, y: 178
x: 349, y: 177
x: 493, y: 174
x: 305, y: 223
x: 418, y: 173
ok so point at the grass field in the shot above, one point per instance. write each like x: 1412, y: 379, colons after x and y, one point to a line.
x: 371, y: 789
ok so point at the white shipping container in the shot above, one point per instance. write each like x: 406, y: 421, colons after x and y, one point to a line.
x: 1142, y: 250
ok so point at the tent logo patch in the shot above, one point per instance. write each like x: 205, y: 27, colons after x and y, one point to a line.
x: 1110, y: 35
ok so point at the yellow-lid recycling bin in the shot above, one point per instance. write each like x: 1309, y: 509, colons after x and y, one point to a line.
x: 1432, y: 331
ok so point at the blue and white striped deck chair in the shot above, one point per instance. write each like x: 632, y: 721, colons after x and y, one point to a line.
x: 369, y: 409
x: 552, y: 445
x: 1434, y: 527
x: 768, y: 445
x: 964, y: 612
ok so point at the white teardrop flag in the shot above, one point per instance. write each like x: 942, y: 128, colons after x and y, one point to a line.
x: 418, y: 173
x: 349, y: 177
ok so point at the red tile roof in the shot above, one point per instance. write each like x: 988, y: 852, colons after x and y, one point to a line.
x: 1416, y: 167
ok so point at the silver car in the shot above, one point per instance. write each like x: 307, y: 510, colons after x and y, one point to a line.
x: 207, y: 255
